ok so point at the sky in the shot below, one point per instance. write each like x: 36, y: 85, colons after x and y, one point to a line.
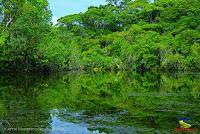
x: 61, y: 8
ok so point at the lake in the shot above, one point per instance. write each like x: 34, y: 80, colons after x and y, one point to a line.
x: 98, y: 103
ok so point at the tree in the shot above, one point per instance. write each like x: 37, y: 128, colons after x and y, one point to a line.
x: 26, y: 23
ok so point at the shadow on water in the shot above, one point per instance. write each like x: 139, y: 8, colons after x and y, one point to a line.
x: 98, y: 103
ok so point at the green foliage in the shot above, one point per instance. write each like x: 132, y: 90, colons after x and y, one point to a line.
x: 140, y: 36
x: 127, y: 35
x: 52, y: 53
x: 25, y: 23
x: 172, y: 62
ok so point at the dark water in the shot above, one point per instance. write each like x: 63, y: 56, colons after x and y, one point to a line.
x: 88, y: 103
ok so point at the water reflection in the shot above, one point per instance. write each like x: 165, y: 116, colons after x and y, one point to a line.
x: 62, y: 125
x: 99, y: 103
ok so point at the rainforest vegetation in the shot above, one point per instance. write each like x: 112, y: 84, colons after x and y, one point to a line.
x: 135, y: 35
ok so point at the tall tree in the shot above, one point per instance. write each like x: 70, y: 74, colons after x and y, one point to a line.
x: 26, y: 23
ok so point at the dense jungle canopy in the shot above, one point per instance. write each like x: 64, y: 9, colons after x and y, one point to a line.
x: 135, y: 35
